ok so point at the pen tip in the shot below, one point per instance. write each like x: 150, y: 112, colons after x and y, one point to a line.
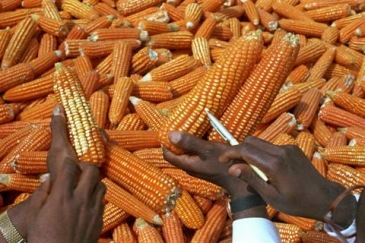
x: 206, y: 110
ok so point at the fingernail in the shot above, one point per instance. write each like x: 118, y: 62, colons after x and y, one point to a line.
x: 57, y: 110
x: 44, y: 177
x: 174, y: 137
x: 236, y: 172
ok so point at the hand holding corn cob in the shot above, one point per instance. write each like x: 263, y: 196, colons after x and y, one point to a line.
x: 289, y: 190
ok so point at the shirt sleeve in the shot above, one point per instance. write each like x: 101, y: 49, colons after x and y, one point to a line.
x: 255, y: 230
x: 346, y: 232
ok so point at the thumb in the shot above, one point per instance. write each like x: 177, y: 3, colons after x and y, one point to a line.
x: 248, y: 175
x: 187, y: 142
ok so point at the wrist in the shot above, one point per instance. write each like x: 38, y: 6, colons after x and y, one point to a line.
x: 255, y: 212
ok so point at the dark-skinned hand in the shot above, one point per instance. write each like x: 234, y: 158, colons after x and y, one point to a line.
x: 201, y: 159
x: 68, y: 206
x: 360, y: 220
x: 295, y: 187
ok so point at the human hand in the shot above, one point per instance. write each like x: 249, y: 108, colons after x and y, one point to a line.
x: 71, y: 209
x: 295, y: 187
x: 360, y: 220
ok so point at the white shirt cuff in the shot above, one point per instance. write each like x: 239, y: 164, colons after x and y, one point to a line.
x: 255, y: 230
x: 346, y: 232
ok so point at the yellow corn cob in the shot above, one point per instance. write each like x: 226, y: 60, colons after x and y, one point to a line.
x: 51, y: 26
x: 339, y: 70
x: 128, y: 7
x: 19, y: 182
x: 43, y: 63
x: 201, y: 51
x: 288, y: 11
x: 5, y: 36
x: 30, y: 51
x: 288, y: 232
x: 320, y: 67
x: 22, y: 197
x: 285, y: 123
x: 298, y: 75
x: 143, y: 61
x: 148, y: 112
x: 306, y: 142
x: 283, y: 102
x: 195, y: 185
x: 345, y: 175
x: 306, y: 109
x: 319, y: 163
x: 329, y: 13
x: 172, y: 230
x: 83, y: 130
x: 193, y: 14
x: 153, y: 156
x: 227, y: 231
x: 30, y: 90
x: 31, y: 162
x: 260, y: 89
x: 37, y: 139
x: 50, y: 10
x: 146, y: 232
x: 251, y: 11
x: 47, y: 44
x: 40, y: 111
x: 23, y: 34
x: 347, y: 31
x: 8, y: 5
x: 337, y: 139
x: 222, y: 33
x: 131, y: 205
x: 350, y: 155
x: 79, y: 10
x: 268, y: 20
x: 214, y: 223
x: 188, y: 211
x: 284, y: 139
x: 153, y: 91
x: 184, y: 84
x: 317, y: 237
x: 131, y: 121
x: 146, y: 182
x: 82, y: 65
x: 339, y: 117
x: 171, y: 40
x: 320, y: 131
x: 348, y: 102
x: 309, y: 84
x: 190, y: 115
x: 204, y: 203
x: 345, y: 83
x: 119, y: 102
x: 90, y: 82
x: 12, y: 18
x: 112, y: 217
x: 122, y: 55
x: 123, y: 233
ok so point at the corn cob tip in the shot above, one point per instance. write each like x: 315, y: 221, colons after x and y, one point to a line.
x: 352, y: 142
x: 171, y: 199
x: 146, y: 78
x: 58, y: 53
x: 157, y: 220
x: 322, y: 151
x: 143, y: 35
x: 4, y: 179
x: 317, y: 155
x: 254, y: 34
x: 58, y: 65
x: 330, y: 93
x: 35, y: 16
x: 292, y: 38
x: 111, y: 17
x: 134, y: 100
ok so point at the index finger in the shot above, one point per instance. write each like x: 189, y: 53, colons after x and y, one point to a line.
x: 60, y: 145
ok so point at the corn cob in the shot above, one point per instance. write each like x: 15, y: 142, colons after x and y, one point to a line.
x: 303, y: 223
x: 285, y: 123
x: 19, y: 182
x: 214, y: 223
x: 310, y: 52
x: 18, y: 42
x: 345, y: 83
x: 284, y: 139
x: 347, y: 32
x: 320, y: 131
x: 9, y: 128
x: 317, y: 237
x: 319, y: 163
x: 320, y: 67
x: 336, y: 139
x: 83, y: 131
x: 40, y: 111
x: 134, y: 140
x: 314, y: 29
x: 22, y: 197
x: 195, y: 185
x: 79, y: 10
x: 132, y: 205
x: 47, y: 44
x: 298, y: 75
x: 227, y: 231
x: 172, y: 230
x: 8, y: 112
x: 143, y: 61
x: 306, y: 109
x: 37, y: 139
x: 350, y: 155
x: 146, y: 232
x: 99, y: 103
x: 352, y: 132
x: 4, y: 40
x: 131, y: 121
x: 51, y: 26
x: 153, y: 156
x: 123, y: 233
x: 171, y: 40
x: 184, y: 84
x: 119, y: 102
x: 348, y: 102
x: 12, y: 140
x: 152, y: 91
x: 330, y: 35
x: 201, y: 51
x: 330, y: 13
x: 283, y: 102
x: 123, y: 167
x: 31, y: 162
x: 339, y: 117
x: 288, y: 11
x: 8, y: 5
x: 204, y: 203
x: 288, y: 232
x: 112, y: 217
x: 148, y: 112
x: 306, y: 142
x: 230, y: 77
x: 251, y: 11
x: 260, y: 89
x: 345, y: 175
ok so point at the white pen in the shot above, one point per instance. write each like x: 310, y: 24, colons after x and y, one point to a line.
x: 226, y: 135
